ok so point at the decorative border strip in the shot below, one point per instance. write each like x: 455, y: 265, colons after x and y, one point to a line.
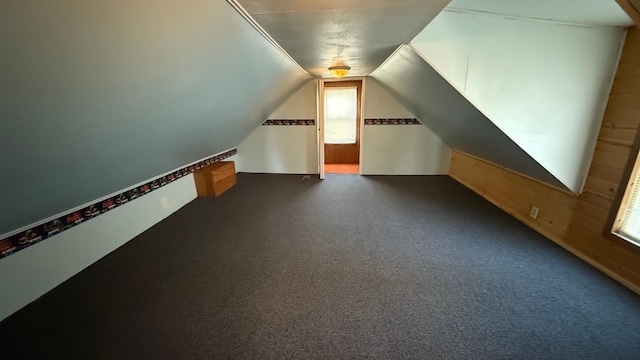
x: 411, y: 121
x: 272, y: 122
x: 43, y: 231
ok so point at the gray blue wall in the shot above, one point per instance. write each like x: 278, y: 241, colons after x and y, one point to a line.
x: 96, y: 96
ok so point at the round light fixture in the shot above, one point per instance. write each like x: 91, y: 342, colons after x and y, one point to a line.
x: 339, y: 71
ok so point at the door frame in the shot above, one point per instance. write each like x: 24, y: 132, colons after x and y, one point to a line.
x: 320, y: 123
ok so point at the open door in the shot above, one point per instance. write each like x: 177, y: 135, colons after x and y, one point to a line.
x: 340, y: 126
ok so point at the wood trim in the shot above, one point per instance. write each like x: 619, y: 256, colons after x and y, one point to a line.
x: 362, y: 104
x: 630, y: 10
x: 320, y: 126
x: 626, y: 198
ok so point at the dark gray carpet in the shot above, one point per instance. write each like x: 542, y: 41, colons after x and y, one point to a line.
x: 349, y: 268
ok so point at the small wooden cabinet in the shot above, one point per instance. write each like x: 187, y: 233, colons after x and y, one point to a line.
x: 215, y: 179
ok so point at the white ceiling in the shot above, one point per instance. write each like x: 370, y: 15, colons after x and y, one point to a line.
x: 357, y: 33
x: 588, y: 12
x: 363, y: 33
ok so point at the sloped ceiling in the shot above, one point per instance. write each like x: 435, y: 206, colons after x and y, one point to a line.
x: 321, y: 34
x: 357, y: 33
x: 551, y: 158
x: 448, y: 114
x: 587, y: 12
x: 96, y: 96
x: 543, y: 83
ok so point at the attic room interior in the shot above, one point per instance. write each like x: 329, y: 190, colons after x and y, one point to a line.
x: 475, y: 198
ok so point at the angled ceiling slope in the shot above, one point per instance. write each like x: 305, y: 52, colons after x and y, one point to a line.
x: 448, y: 114
x: 543, y: 83
x: 357, y: 33
x: 587, y: 12
x: 97, y: 96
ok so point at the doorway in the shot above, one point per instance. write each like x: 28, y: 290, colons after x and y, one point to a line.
x: 342, y: 126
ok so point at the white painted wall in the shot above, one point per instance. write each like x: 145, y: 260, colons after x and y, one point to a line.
x: 300, y: 105
x: 544, y: 84
x: 403, y: 150
x: 279, y: 150
x: 379, y: 104
x: 398, y: 149
x: 31, y: 272
x: 388, y: 149
x: 283, y: 149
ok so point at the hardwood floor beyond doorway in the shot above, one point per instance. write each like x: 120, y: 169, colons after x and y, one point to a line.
x: 342, y: 168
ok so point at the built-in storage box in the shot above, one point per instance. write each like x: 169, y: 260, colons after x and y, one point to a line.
x: 215, y: 179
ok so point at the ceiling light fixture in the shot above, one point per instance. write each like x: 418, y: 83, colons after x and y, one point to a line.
x: 339, y: 71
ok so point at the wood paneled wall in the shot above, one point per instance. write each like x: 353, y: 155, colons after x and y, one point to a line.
x: 581, y: 224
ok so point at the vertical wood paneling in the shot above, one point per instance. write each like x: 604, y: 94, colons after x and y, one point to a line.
x: 578, y: 223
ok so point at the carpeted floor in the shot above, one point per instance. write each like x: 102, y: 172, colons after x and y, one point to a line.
x: 351, y: 267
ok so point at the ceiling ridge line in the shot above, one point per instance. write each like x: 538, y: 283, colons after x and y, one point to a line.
x: 526, y: 18
x: 241, y: 10
x: 397, y: 50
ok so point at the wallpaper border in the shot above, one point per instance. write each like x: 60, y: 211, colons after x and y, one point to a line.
x: 48, y: 229
x: 288, y: 122
x: 405, y: 121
